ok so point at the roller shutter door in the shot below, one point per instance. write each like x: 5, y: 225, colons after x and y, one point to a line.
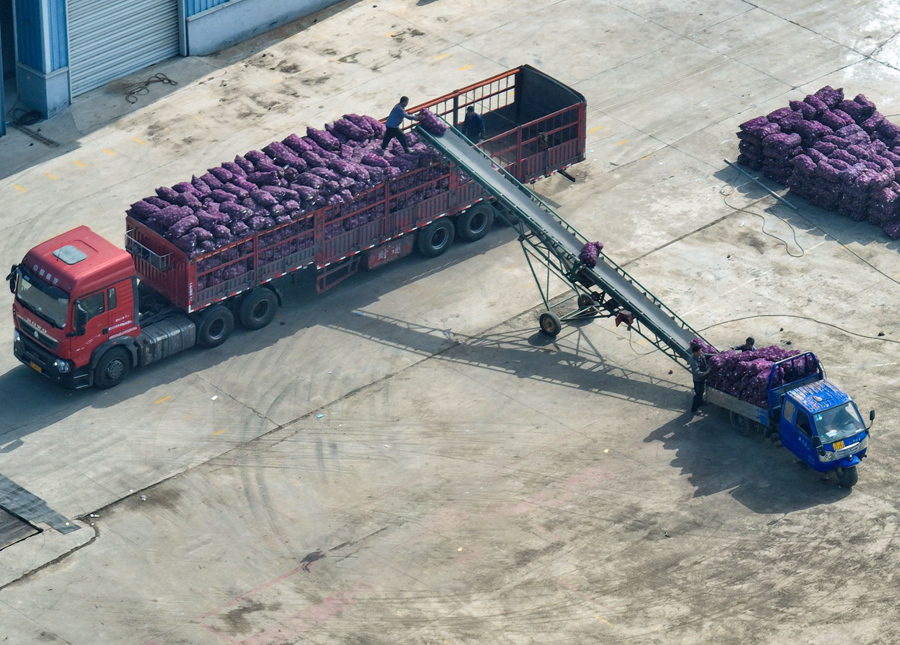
x: 112, y: 38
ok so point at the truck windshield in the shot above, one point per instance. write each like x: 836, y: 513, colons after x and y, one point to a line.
x: 838, y: 423
x: 49, y: 302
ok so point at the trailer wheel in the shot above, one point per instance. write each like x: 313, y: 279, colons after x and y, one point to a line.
x: 215, y: 327
x: 436, y: 238
x: 588, y: 304
x: 112, y: 368
x: 475, y: 222
x: 550, y: 323
x: 847, y: 477
x: 258, y: 308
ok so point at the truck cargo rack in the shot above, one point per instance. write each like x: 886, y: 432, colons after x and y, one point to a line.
x: 548, y: 240
x: 138, y: 250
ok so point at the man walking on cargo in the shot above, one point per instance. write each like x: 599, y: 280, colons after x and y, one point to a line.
x: 699, y: 370
x: 473, y: 125
x: 393, y: 123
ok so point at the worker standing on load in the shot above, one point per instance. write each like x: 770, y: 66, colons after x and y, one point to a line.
x: 748, y: 346
x: 393, y: 123
x: 699, y: 370
x: 473, y: 125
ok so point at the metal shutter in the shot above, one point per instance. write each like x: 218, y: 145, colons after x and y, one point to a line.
x: 112, y: 38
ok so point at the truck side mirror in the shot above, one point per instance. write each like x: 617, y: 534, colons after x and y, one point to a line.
x: 871, y: 415
x: 81, y: 318
x: 11, y: 278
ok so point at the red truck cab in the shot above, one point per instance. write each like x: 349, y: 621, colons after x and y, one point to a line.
x: 75, y: 300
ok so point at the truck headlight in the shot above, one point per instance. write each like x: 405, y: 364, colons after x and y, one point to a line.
x: 62, y: 366
x: 17, y: 336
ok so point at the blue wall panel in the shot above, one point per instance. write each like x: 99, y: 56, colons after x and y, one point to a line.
x: 193, y: 7
x: 59, y: 46
x: 29, y: 34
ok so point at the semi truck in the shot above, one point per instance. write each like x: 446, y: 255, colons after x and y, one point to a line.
x: 87, y: 312
x: 805, y: 412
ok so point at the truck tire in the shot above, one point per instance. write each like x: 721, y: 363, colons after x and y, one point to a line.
x: 847, y: 477
x: 550, y: 323
x: 258, y: 308
x: 436, y: 238
x: 216, y: 324
x: 112, y: 368
x: 475, y: 222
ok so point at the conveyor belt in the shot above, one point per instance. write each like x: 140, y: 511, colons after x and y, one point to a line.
x: 563, y: 241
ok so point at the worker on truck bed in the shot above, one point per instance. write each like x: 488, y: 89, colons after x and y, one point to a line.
x: 748, y: 346
x: 393, y: 123
x: 699, y: 370
x: 473, y: 125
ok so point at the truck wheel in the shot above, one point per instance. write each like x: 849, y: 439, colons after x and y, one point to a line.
x: 258, y: 308
x: 215, y: 326
x: 436, y: 238
x: 847, y: 477
x: 475, y: 222
x: 550, y: 323
x: 112, y: 368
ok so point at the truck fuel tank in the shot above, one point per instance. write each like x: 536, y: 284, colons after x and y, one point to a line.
x: 166, y: 337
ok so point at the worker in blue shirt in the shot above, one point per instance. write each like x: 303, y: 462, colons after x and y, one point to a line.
x: 748, y: 346
x: 393, y: 123
x: 473, y: 125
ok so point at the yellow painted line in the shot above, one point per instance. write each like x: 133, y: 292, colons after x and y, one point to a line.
x: 138, y: 140
x: 389, y: 35
x: 17, y: 187
x: 165, y: 398
x: 216, y: 433
x: 648, y: 156
x: 275, y: 80
x: 78, y: 163
x: 440, y: 57
x: 622, y: 141
x: 109, y: 152
x: 595, y: 129
x: 190, y: 416
x: 464, y: 68
x: 50, y: 176
x: 196, y: 117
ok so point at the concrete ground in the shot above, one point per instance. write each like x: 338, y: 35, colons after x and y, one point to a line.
x: 405, y: 459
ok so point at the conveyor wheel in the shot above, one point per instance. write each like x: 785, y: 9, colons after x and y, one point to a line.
x: 550, y: 323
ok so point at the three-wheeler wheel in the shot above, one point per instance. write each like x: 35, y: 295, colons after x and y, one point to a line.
x: 847, y: 477
x: 740, y: 423
x: 550, y: 323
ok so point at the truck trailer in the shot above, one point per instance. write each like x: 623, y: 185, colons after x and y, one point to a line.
x: 87, y: 312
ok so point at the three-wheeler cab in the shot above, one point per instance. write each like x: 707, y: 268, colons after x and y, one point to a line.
x: 822, y: 426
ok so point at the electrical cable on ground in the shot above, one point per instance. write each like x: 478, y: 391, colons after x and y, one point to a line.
x: 814, y: 226
x: 140, y: 89
x: 808, y: 319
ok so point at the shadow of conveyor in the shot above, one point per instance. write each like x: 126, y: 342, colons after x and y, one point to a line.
x: 765, y: 479
x: 569, y: 360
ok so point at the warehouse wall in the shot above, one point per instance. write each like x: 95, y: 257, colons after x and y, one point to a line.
x: 215, y: 24
x: 42, y: 55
